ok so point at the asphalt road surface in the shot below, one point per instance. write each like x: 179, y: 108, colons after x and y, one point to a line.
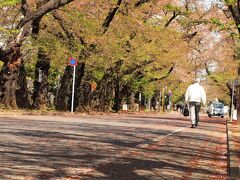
x: 143, y: 146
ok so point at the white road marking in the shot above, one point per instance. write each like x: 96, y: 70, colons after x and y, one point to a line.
x: 170, y: 134
x: 161, y: 137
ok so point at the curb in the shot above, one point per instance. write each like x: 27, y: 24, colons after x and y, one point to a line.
x: 41, y: 113
x: 69, y: 114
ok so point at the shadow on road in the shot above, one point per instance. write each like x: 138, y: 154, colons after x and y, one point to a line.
x: 134, y: 147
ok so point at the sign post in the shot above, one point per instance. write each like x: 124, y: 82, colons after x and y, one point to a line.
x: 73, y: 62
x: 40, y: 75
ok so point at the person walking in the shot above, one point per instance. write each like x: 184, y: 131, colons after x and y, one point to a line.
x: 195, y: 95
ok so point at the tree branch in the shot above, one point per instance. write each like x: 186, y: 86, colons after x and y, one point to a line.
x: 36, y: 21
x: 140, y: 2
x: 238, y: 6
x: 136, y: 67
x: 64, y: 27
x: 46, y: 8
x: 236, y: 16
x: 172, y: 18
x: 110, y: 17
x: 165, y: 76
x: 207, y: 69
x: 24, y: 7
x: 190, y: 36
x: 113, y: 12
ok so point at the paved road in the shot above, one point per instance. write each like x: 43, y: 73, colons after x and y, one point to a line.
x: 112, y: 147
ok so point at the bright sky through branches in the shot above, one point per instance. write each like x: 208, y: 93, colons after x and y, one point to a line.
x: 207, y: 3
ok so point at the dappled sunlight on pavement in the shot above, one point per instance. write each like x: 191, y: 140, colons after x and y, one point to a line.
x: 112, y: 147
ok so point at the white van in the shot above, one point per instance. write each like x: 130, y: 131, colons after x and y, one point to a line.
x: 215, y: 109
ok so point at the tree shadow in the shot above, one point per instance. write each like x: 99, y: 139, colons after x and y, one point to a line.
x: 52, y: 149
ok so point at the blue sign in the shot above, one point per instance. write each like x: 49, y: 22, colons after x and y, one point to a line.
x: 72, y: 62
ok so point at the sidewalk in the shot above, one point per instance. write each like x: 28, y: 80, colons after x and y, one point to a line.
x: 233, y: 130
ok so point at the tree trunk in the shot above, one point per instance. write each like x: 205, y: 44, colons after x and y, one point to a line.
x: 117, y: 100
x: 64, y: 96
x: 234, y: 9
x: 84, y: 97
x: 101, y: 99
x: 154, y: 100
x: 117, y: 97
x: 13, y: 84
x: 149, y: 104
x: 237, y: 101
x: 40, y: 91
x: 103, y: 95
x: 64, y: 93
x: 22, y: 93
x: 131, y: 101
x: 124, y: 92
x: 80, y: 71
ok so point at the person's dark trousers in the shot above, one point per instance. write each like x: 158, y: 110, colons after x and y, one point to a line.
x: 197, y: 110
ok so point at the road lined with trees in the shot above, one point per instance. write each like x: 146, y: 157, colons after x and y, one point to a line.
x: 112, y: 147
x: 124, y: 49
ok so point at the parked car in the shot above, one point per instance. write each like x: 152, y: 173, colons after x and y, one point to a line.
x: 215, y: 109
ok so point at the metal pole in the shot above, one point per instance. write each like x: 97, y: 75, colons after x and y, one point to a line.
x: 73, y: 86
x: 195, y: 68
x: 163, y: 100
x: 232, y: 106
x: 139, y: 101
x: 160, y: 102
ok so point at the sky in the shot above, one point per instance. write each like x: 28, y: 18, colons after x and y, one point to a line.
x: 207, y: 3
